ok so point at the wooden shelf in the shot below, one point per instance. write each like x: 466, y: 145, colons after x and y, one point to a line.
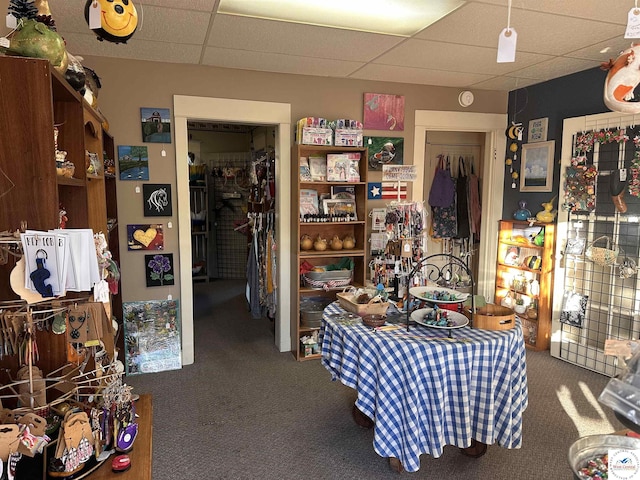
x: 536, y: 331
x: 355, y: 228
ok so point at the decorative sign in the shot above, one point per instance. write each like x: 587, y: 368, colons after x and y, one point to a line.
x: 538, y: 130
x: 399, y: 173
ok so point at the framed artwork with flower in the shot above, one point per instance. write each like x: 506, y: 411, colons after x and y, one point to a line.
x: 159, y: 269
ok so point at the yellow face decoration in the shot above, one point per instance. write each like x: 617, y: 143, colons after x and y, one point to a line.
x: 118, y: 19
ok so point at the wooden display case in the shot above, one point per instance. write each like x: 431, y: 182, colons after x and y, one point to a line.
x: 326, y: 229
x: 525, y: 271
x: 35, y: 98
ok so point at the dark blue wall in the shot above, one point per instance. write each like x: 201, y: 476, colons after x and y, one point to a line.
x: 565, y: 97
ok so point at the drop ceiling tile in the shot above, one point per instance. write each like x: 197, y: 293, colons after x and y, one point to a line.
x: 244, y: 33
x: 557, y: 67
x: 200, y: 5
x: 420, y: 76
x: 538, y: 32
x: 593, y: 10
x: 154, y: 23
x: 602, y: 51
x: 274, y: 62
x: 453, y: 57
x: 504, y: 83
x: 87, y: 44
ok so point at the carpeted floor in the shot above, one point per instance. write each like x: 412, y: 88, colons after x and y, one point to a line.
x: 244, y: 410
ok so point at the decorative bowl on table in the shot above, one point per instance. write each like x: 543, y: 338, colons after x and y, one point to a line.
x: 374, y: 320
x: 586, y: 452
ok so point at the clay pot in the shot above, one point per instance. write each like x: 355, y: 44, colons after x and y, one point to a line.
x: 336, y: 243
x: 306, y: 243
x: 320, y: 244
x: 348, y: 242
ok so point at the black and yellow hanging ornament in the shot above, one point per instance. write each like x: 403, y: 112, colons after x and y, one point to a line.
x: 112, y: 20
x: 514, y: 139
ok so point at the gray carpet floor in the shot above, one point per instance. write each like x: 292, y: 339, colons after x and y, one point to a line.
x: 244, y: 410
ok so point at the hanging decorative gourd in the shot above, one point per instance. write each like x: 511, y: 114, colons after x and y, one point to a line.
x: 622, y: 78
x: 117, y: 19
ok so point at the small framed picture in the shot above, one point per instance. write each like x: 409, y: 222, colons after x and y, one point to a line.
x: 538, y: 130
x: 157, y: 200
x: 536, y: 172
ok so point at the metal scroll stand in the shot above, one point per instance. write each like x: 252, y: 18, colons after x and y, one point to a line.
x: 443, y: 270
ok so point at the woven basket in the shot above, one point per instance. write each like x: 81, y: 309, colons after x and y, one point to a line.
x: 603, y: 256
x: 373, y: 307
x: 330, y: 280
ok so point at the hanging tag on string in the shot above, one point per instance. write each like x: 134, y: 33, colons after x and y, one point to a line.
x: 507, y: 46
x: 11, y: 22
x: 633, y: 23
x: 4, y: 42
x: 95, y: 17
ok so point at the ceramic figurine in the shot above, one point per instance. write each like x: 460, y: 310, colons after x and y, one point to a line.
x: 320, y: 244
x: 523, y: 213
x: 348, y: 242
x: 336, y: 243
x: 305, y: 242
x: 622, y: 78
x: 548, y: 214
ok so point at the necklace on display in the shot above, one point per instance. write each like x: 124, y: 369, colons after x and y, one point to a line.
x: 75, y: 334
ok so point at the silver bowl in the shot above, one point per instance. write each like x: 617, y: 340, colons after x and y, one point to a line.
x: 589, y: 447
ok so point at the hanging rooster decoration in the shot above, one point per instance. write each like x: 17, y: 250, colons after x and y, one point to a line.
x: 118, y: 19
x: 622, y: 78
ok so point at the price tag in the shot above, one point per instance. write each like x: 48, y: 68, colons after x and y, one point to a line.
x: 507, y: 46
x: 633, y: 24
x: 623, y: 174
x: 95, y: 20
x: 4, y: 42
x: 12, y: 22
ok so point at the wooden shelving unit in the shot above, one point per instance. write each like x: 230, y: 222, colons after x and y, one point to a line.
x: 34, y: 99
x: 357, y: 229
x: 517, y: 274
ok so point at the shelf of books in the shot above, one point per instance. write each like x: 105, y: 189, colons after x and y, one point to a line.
x: 330, y: 194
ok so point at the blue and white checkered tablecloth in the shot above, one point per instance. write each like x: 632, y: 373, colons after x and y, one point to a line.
x: 424, y: 392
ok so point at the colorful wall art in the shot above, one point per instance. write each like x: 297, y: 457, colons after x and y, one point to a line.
x: 145, y: 237
x: 383, y: 112
x: 156, y: 125
x: 159, y: 269
x: 133, y: 162
x: 152, y: 336
x: 384, y: 151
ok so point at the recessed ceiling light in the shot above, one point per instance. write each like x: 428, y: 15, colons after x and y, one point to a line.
x: 392, y: 17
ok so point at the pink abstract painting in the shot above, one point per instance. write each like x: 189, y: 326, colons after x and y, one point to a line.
x: 383, y: 112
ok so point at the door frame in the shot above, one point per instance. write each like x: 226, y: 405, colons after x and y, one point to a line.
x: 493, y: 125
x: 251, y: 113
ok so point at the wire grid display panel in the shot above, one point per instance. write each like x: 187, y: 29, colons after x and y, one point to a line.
x: 229, y: 194
x: 612, y: 309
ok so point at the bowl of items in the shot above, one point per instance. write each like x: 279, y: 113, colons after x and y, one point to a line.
x: 374, y: 320
x: 588, y: 456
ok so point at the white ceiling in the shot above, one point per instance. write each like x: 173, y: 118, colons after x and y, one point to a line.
x: 555, y: 38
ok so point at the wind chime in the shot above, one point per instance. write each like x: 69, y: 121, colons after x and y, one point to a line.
x: 514, y: 140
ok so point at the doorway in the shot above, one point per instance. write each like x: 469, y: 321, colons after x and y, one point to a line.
x: 241, y: 112
x: 491, y: 127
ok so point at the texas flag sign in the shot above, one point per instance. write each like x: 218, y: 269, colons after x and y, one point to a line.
x: 374, y: 191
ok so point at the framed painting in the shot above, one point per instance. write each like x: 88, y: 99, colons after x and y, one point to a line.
x: 536, y: 171
x: 538, y: 130
x: 159, y: 269
x: 157, y: 199
x: 133, y: 162
x: 383, y: 112
x: 152, y: 336
x: 156, y: 125
x: 145, y: 237
x: 384, y: 151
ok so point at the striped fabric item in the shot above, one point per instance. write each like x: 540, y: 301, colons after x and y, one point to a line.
x: 390, y: 190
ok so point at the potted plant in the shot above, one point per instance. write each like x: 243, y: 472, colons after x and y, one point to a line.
x: 520, y: 307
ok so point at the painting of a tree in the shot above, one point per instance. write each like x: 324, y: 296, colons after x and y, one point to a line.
x: 133, y: 162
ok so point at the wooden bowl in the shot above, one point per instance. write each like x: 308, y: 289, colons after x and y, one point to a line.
x: 374, y: 320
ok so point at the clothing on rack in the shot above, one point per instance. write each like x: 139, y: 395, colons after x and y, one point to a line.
x: 261, y: 265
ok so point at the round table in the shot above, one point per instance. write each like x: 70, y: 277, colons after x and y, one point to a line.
x: 423, y: 390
